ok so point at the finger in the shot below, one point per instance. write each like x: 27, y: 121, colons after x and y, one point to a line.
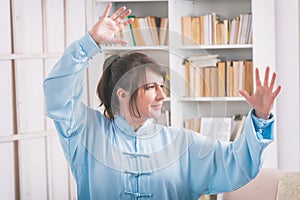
x: 125, y: 14
x: 117, y: 41
x: 257, y: 78
x: 266, y: 81
x: 273, y: 81
x: 245, y: 94
x: 124, y: 24
x: 116, y: 14
x: 278, y: 89
x: 107, y: 9
x: 129, y: 21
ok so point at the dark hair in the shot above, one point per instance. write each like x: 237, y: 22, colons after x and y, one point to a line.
x: 126, y: 71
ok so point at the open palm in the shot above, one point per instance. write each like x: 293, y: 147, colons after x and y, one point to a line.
x: 104, y: 30
x: 263, y: 99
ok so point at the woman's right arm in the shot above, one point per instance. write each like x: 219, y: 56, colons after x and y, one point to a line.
x: 64, y: 85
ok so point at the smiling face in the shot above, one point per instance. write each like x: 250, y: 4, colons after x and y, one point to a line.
x: 151, y: 96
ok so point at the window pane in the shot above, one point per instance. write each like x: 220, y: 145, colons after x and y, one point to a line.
x: 28, y: 26
x: 6, y: 103
x: 75, y: 20
x: 29, y: 76
x: 33, y: 181
x: 58, y: 169
x: 5, y: 34
x: 7, y: 172
x: 55, y: 25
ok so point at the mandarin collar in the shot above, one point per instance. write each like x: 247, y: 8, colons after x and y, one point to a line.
x: 146, y: 130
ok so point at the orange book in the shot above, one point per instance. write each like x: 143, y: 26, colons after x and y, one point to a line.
x: 136, y: 30
x: 187, y: 78
x: 221, y: 78
x: 201, y: 82
x: 201, y: 30
x: 235, y: 66
x: 207, y: 83
x: 229, y: 79
x: 186, y: 30
x: 196, y: 30
x: 248, y: 80
x: 214, y: 81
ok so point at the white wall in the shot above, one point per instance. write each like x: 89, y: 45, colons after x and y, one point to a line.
x: 287, y: 59
x: 32, y: 37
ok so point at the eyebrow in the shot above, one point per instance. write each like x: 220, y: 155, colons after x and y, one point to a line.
x: 157, y: 83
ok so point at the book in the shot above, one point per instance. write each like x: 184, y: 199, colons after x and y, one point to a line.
x: 207, y: 82
x: 248, y: 80
x: 199, y: 82
x: 186, y: 30
x: 204, y: 60
x: 163, y: 31
x: 226, y: 31
x: 214, y: 81
x: 229, y: 79
x: 241, y: 76
x: 201, y: 29
x: 146, y: 33
x: 136, y: 30
x: 214, y: 23
x: 187, y: 78
x: 219, y: 33
x: 131, y: 31
x: 221, y: 78
x: 249, y: 29
x: 232, y: 31
x: 237, y: 29
x: 195, y: 30
x: 153, y: 29
x: 236, y: 78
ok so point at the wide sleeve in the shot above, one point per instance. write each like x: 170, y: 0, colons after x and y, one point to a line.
x: 63, y: 89
x: 217, y: 166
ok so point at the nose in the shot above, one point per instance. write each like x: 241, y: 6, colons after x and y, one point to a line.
x: 160, y: 94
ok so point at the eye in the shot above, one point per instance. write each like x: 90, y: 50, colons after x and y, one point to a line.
x: 150, y: 86
x: 162, y: 86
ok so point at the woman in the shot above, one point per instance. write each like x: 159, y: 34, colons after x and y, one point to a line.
x: 123, y: 154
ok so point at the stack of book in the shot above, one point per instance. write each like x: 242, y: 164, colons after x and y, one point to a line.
x: 210, y: 76
x: 217, y: 128
x: 210, y: 29
x: 146, y: 31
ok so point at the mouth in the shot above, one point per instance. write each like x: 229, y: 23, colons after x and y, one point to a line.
x: 157, y: 107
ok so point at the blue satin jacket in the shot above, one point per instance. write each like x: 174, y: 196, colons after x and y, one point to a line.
x: 109, y: 160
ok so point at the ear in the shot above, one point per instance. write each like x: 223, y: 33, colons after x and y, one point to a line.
x: 123, y: 95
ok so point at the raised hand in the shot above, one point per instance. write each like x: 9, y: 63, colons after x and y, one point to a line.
x: 263, y: 99
x: 104, y: 30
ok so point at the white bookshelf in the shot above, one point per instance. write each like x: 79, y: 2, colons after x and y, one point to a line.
x: 261, y: 51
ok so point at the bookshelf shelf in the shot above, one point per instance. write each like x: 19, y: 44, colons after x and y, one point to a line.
x: 120, y: 1
x: 216, y: 47
x: 133, y: 48
x: 209, y: 99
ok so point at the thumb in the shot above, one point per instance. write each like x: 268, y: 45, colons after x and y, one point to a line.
x: 116, y: 41
x: 245, y: 94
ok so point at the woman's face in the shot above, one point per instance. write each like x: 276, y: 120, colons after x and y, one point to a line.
x: 150, y: 100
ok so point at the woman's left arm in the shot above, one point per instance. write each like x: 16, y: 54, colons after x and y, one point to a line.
x: 218, y: 166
